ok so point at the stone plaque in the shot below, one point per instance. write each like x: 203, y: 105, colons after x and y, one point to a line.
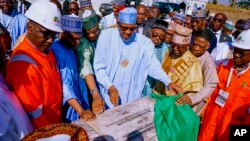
x: 129, y: 122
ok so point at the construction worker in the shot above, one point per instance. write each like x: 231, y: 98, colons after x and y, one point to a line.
x: 32, y: 71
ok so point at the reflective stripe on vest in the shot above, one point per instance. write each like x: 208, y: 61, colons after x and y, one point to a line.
x: 36, y: 113
x: 23, y: 57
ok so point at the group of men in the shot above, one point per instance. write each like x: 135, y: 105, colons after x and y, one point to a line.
x: 73, y: 66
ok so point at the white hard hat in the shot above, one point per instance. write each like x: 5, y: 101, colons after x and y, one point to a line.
x: 243, y: 40
x: 46, y: 14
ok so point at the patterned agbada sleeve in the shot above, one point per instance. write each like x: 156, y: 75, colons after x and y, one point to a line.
x: 85, y: 54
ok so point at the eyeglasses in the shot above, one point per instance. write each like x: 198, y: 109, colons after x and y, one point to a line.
x: 217, y: 20
x: 46, y: 33
x: 241, y: 52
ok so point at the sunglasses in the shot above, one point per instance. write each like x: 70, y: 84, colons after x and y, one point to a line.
x: 217, y: 20
x: 241, y: 52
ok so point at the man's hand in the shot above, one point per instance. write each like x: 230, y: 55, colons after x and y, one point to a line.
x: 175, y: 88
x: 98, y: 103
x: 184, y: 100
x: 87, y: 115
x: 114, y: 95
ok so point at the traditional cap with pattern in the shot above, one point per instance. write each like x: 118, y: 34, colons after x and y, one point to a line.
x: 128, y: 15
x: 89, y: 19
x: 71, y: 23
x: 199, y: 13
x: 85, y: 3
x: 182, y: 35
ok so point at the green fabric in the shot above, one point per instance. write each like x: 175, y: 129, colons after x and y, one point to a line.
x: 90, y: 22
x: 173, y: 122
x: 85, y: 54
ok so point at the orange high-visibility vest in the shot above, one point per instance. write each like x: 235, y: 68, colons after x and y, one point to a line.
x: 34, y: 77
x: 217, y: 120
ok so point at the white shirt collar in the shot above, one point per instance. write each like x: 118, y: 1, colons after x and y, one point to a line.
x: 218, y: 32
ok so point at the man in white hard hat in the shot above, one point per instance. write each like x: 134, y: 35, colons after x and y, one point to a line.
x: 14, y: 121
x: 230, y: 102
x: 32, y: 71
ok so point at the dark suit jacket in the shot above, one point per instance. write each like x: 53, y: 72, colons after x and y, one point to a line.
x: 147, y: 26
x: 225, y: 38
x: 213, y: 44
x: 146, y: 30
x: 150, y: 22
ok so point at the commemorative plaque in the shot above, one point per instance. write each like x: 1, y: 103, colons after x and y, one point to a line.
x: 129, y: 122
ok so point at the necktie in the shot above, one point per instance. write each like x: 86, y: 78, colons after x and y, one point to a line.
x: 21, y: 8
